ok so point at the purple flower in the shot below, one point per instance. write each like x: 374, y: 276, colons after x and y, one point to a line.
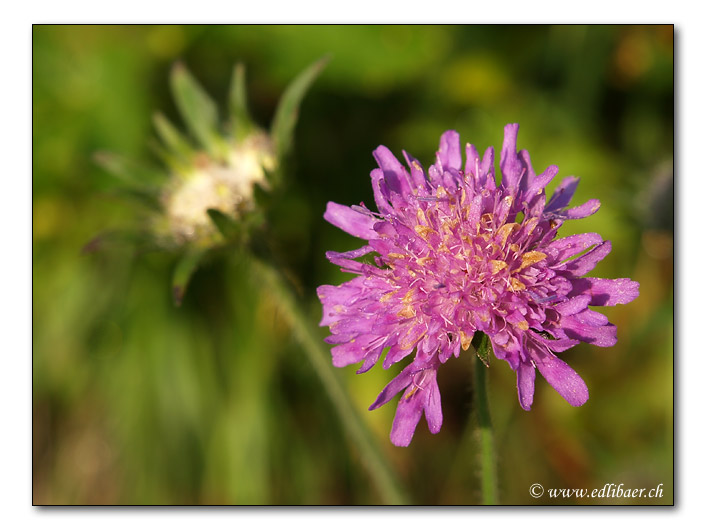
x: 455, y: 253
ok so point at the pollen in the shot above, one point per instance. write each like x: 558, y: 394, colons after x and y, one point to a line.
x: 497, y: 265
x: 406, y: 312
x: 423, y: 231
x: 530, y: 258
x: 465, y: 340
x: 505, y: 230
x: 517, y: 285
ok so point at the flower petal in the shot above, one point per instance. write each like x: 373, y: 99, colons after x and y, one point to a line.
x: 395, y: 386
x: 562, y: 377
x: 510, y: 164
x: 562, y: 195
x: 586, y: 263
x: 409, y: 412
x: 355, y: 223
x: 394, y: 172
x: 606, y: 292
x: 603, y: 335
x: 590, y: 207
x: 538, y: 183
x: 566, y: 247
x: 525, y: 384
x: 449, y: 153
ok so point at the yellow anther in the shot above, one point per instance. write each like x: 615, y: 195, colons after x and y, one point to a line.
x: 505, y: 230
x: 517, y: 285
x: 523, y: 325
x: 423, y: 231
x: 386, y: 297
x: 406, y: 312
x: 465, y: 340
x: 530, y: 258
x: 497, y: 265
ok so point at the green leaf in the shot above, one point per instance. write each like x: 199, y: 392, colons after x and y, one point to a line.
x: 172, y: 138
x: 227, y: 226
x: 483, y: 347
x: 288, y: 107
x: 197, y: 109
x: 127, y: 171
x: 173, y: 162
x: 139, y: 196
x: 184, y: 270
x: 241, y: 122
x: 113, y: 239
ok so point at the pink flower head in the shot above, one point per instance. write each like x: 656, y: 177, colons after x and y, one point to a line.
x: 455, y: 254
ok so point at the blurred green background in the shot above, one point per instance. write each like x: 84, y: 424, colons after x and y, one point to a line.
x: 136, y: 401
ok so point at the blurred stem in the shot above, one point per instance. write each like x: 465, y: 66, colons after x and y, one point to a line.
x: 488, y: 467
x: 312, y: 346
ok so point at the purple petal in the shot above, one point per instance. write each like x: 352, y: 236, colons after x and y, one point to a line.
x: 525, y: 384
x: 472, y: 160
x: 449, y: 153
x: 579, y: 212
x: 562, y: 378
x: 528, y: 174
x: 562, y: 194
x: 486, y: 165
x: 422, y: 395
x: 538, y: 183
x: 603, y: 336
x: 432, y: 409
x: 573, y: 305
x: 567, y: 247
x: 586, y: 263
x: 395, y: 386
x: 380, y: 191
x: 417, y: 175
x: 605, y: 292
x: 394, y: 172
x: 355, y: 223
x: 510, y: 164
x: 351, y: 352
x: 556, y: 345
x: 409, y: 412
x: 345, y: 259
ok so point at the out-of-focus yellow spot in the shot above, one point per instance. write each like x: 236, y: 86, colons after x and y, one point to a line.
x: 166, y: 41
x: 658, y: 244
x: 475, y: 79
x: 633, y: 55
x: 49, y: 217
x: 523, y: 325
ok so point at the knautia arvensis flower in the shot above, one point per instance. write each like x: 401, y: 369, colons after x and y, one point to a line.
x: 455, y: 254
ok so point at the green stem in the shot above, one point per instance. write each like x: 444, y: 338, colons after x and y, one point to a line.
x: 320, y: 358
x: 489, y: 481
